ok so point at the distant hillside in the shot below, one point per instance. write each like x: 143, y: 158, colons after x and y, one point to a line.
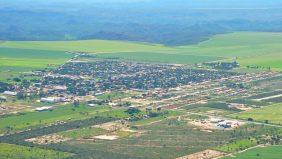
x: 251, y: 48
x: 169, y: 22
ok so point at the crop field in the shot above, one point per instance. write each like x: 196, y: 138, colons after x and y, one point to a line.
x: 270, y: 114
x: 251, y: 49
x: 9, y: 151
x: 13, y: 61
x: 92, y: 46
x: 273, y: 152
x: 163, y: 57
x: 63, y: 113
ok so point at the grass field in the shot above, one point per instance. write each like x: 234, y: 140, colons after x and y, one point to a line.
x: 251, y: 48
x: 271, y: 114
x: 93, y: 46
x: 271, y: 152
x: 13, y: 61
x: 163, y: 57
x: 62, y: 113
x: 8, y: 151
x: 82, y: 133
x: 237, y: 145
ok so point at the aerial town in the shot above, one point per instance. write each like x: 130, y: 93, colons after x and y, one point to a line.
x: 91, y: 99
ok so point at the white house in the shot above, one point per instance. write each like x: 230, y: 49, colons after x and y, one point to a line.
x: 53, y: 99
x: 10, y: 93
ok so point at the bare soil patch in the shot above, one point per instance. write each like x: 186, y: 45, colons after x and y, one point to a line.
x: 207, y: 154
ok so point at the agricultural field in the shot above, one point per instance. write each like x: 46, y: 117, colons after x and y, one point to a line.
x: 9, y: 151
x: 91, y: 46
x: 238, y: 145
x: 14, y: 61
x: 26, y: 120
x: 273, y: 152
x: 251, y: 49
x: 269, y: 114
x: 163, y: 57
x: 82, y: 133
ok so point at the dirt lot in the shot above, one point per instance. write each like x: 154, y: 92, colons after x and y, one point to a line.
x: 112, y: 126
x: 207, y: 154
x: 5, y: 108
x: 48, y: 139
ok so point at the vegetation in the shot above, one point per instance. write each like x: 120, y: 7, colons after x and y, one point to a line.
x: 261, y: 50
x: 82, y: 133
x: 163, y: 57
x: 238, y: 145
x: 273, y: 152
x: 9, y: 151
x: 167, y: 139
x: 268, y: 114
x: 14, y: 61
x: 63, y: 113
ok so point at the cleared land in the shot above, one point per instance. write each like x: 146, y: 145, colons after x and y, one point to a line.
x: 270, y: 114
x: 9, y: 151
x: 273, y: 152
x: 167, y: 139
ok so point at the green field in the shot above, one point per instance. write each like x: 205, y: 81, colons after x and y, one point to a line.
x: 163, y: 57
x: 92, y: 46
x: 61, y: 113
x: 252, y: 48
x: 8, y: 151
x: 82, y: 133
x: 237, y: 145
x: 13, y: 61
x: 271, y: 114
x: 270, y: 152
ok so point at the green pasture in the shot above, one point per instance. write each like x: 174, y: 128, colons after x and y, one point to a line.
x: 9, y: 151
x: 162, y: 57
x: 82, y: 132
x: 271, y: 152
x: 61, y: 113
x: 237, y: 145
x: 270, y: 114
x: 92, y: 46
x: 261, y: 49
x: 14, y: 61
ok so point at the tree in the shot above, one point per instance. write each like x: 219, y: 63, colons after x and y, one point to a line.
x: 21, y: 95
x: 76, y: 103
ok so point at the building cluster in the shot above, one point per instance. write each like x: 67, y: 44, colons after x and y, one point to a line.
x: 80, y: 78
